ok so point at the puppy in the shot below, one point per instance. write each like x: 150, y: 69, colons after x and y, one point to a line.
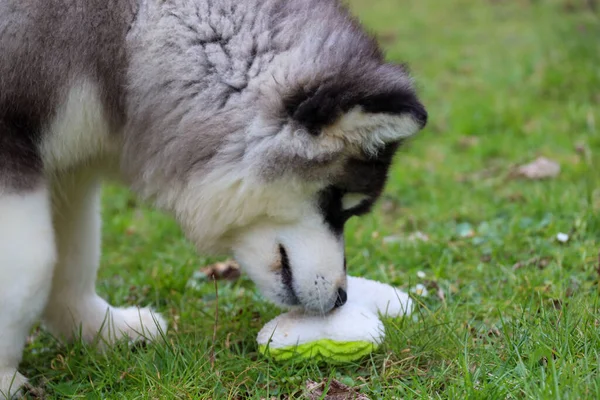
x: 262, y: 126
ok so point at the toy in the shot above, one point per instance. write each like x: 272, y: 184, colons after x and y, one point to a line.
x: 345, y: 334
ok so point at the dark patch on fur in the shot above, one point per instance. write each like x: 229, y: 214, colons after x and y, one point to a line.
x: 396, y: 103
x: 319, y: 107
x: 369, y: 175
x: 330, y: 204
x: 20, y: 161
x: 286, y: 274
x: 365, y: 176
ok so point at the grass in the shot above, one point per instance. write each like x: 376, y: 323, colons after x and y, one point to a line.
x: 505, y: 82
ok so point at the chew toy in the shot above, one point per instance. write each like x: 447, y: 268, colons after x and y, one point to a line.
x: 345, y: 334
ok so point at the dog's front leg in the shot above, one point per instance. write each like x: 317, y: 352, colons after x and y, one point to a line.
x: 74, y: 307
x: 27, y: 256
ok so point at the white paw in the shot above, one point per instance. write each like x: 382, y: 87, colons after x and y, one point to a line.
x: 11, y: 383
x: 135, y: 324
x: 97, y: 322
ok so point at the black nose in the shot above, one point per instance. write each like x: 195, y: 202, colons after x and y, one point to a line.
x: 342, y: 297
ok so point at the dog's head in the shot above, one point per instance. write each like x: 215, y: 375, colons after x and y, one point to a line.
x: 279, y: 191
x: 322, y: 155
x: 266, y: 147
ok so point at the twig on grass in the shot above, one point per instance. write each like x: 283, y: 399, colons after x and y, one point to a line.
x: 214, y: 341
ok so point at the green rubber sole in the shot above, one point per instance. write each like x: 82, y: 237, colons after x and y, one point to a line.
x: 322, y: 350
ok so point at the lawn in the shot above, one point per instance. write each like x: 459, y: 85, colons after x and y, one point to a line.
x: 511, y: 312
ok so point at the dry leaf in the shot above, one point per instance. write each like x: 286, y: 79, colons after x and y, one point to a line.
x: 227, y: 270
x: 336, y: 391
x: 433, y: 285
x: 541, y: 168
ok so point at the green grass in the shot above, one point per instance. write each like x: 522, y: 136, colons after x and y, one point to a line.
x: 504, y: 82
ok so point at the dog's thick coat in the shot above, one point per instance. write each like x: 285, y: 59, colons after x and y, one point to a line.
x: 261, y: 125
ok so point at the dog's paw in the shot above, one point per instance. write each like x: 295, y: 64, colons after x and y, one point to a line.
x: 134, y: 324
x: 11, y: 384
x: 96, y: 322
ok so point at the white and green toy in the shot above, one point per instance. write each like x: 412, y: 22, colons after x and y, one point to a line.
x: 345, y: 334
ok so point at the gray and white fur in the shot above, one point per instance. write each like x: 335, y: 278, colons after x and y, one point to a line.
x: 260, y: 125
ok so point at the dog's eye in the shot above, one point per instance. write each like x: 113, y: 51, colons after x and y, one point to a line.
x: 353, y: 200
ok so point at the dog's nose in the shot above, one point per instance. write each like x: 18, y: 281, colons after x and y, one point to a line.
x: 342, y: 297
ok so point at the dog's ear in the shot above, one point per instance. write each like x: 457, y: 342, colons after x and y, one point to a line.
x: 383, y: 90
x: 390, y: 91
